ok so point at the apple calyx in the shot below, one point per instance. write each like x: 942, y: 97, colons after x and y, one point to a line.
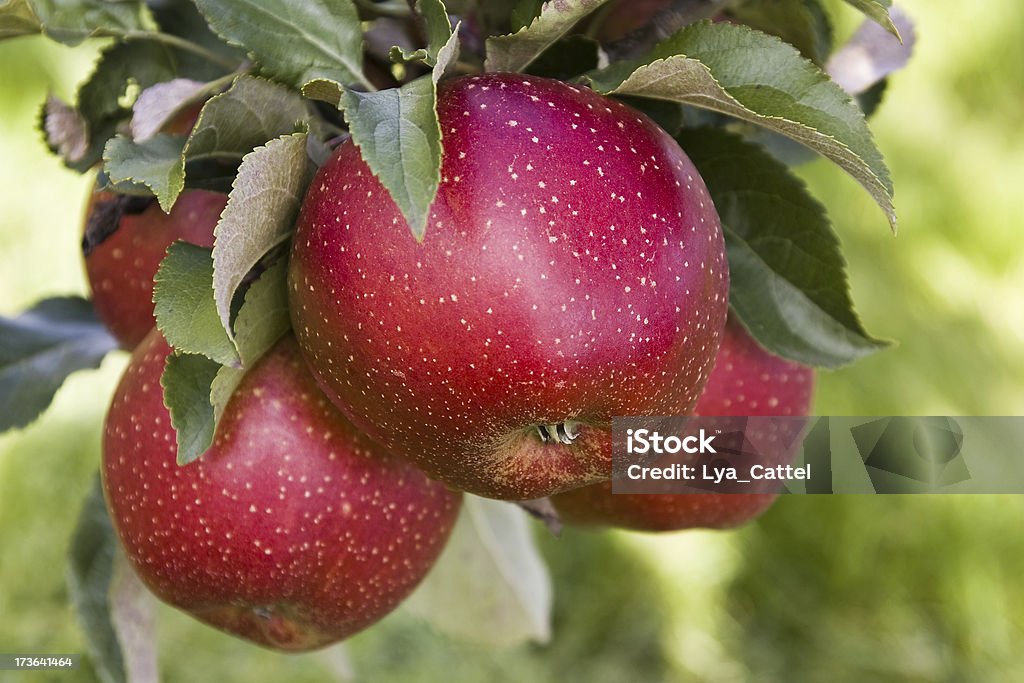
x: 562, y: 432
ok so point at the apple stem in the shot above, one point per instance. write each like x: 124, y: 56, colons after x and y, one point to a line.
x: 563, y: 432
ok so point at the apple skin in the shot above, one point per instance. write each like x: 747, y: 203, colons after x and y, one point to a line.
x: 573, y: 269
x: 293, y: 530
x: 121, y: 268
x: 746, y: 381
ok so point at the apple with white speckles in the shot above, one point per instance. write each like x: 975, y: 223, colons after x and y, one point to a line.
x: 573, y: 269
x: 746, y: 381
x: 293, y: 530
x: 125, y: 240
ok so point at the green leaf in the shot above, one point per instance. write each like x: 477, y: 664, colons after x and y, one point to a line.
x: 493, y: 16
x: 113, y: 607
x: 68, y: 21
x: 263, y: 317
x: 90, y: 569
x: 181, y: 18
x: 438, y: 26
x: 186, y: 380
x: 668, y: 115
x: 40, y: 348
x: 399, y: 136
x: 315, y: 45
x: 801, y: 23
x: 759, y: 79
x: 438, y: 31
x: 518, y: 50
x: 18, y: 19
x: 567, y: 58
x: 136, y: 62
x: 400, y: 55
x: 185, y: 309
x: 446, y: 56
x: 490, y: 584
x: 260, y: 214
x: 788, y: 282
x: 155, y: 163
x: 877, y: 10
x: 524, y: 13
x: 247, y: 115
x: 100, y: 105
x: 262, y: 320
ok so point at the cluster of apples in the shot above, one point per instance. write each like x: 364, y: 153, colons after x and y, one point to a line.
x: 573, y: 269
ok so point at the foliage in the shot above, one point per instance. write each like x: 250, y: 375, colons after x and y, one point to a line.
x: 860, y: 249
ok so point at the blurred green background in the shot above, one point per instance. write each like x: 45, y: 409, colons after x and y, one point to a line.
x: 821, y: 588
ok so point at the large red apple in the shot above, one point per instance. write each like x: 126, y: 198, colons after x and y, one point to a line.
x: 746, y: 380
x: 573, y: 269
x: 121, y: 264
x: 293, y: 530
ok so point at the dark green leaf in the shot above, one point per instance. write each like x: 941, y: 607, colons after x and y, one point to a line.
x: 494, y: 15
x: 101, y: 107
x: 315, y: 45
x: 263, y: 317
x: 788, y: 277
x: 181, y: 18
x: 155, y: 163
x: 260, y: 214
x: 759, y: 79
x: 186, y: 381
x: 113, y: 607
x: 668, y: 115
x: 566, y: 59
x: 801, y: 23
x: 40, y: 348
x: 438, y: 26
x: 871, y: 99
x: 90, y: 569
x: 18, y: 19
x: 234, y: 123
x: 524, y: 12
x: 247, y: 115
x: 399, y: 136
x: 69, y: 21
x: 438, y: 31
x: 516, y: 51
x: 186, y: 311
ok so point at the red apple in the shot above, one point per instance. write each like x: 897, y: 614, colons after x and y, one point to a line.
x: 293, y: 530
x: 121, y: 265
x: 573, y: 269
x: 746, y: 380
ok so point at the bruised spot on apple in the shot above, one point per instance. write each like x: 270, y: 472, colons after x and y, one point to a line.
x: 746, y: 381
x: 125, y: 239
x: 573, y: 269
x: 293, y: 530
